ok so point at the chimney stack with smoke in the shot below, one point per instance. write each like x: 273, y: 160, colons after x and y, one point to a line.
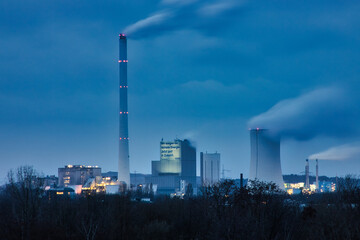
x: 307, y: 183
x: 317, y: 175
x: 124, y: 171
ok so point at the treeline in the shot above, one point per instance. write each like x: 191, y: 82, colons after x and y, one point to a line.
x: 223, y: 211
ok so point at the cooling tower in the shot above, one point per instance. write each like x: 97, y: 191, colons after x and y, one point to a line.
x: 124, y: 171
x: 265, y: 157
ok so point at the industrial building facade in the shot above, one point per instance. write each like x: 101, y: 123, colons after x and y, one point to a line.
x: 177, y: 163
x: 72, y: 175
x: 209, y: 168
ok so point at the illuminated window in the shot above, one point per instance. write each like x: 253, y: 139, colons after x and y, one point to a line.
x: 59, y: 193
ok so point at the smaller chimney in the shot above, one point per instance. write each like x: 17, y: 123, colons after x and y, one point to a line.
x: 317, y: 175
x: 307, y: 184
x: 241, y: 181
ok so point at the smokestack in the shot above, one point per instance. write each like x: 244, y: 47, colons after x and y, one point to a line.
x: 317, y: 175
x: 265, y: 157
x: 307, y: 184
x: 241, y: 180
x: 123, y: 171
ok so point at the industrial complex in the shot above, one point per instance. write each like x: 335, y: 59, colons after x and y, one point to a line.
x: 174, y: 173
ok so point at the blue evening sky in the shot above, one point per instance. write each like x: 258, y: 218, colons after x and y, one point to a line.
x: 197, y: 69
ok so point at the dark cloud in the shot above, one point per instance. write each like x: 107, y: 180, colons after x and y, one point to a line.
x: 331, y: 111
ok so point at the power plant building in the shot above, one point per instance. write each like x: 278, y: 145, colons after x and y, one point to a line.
x: 72, y: 175
x: 123, y: 164
x: 209, y: 168
x: 265, y: 157
x: 177, y: 162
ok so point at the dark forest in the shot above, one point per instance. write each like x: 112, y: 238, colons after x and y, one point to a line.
x: 223, y: 211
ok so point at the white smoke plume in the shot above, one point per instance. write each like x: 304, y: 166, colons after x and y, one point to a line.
x: 203, y: 15
x: 338, y: 153
x: 332, y: 112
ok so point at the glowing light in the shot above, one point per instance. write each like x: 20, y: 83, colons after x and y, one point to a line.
x: 257, y: 129
x: 119, y: 60
x: 120, y: 112
x: 120, y: 138
x: 120, y: 86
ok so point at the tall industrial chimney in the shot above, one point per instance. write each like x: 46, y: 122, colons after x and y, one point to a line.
x: 265, y: 157
x: 307, y: 180
x: 123, y: 171
x: 317, y: 175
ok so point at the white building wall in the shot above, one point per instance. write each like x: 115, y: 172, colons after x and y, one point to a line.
x: 209, y: 168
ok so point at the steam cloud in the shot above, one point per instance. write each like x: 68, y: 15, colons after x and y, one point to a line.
x: 202, y: 15
x: 332, y: 112
x: 342, y: 152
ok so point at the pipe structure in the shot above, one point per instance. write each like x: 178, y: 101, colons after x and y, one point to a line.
x: 123, y: 167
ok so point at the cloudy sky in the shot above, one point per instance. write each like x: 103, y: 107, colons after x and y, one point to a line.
x: 203, y: 70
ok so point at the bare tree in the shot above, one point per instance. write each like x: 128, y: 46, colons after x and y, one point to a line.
x: 89, y: 227
x: 25, y: 190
